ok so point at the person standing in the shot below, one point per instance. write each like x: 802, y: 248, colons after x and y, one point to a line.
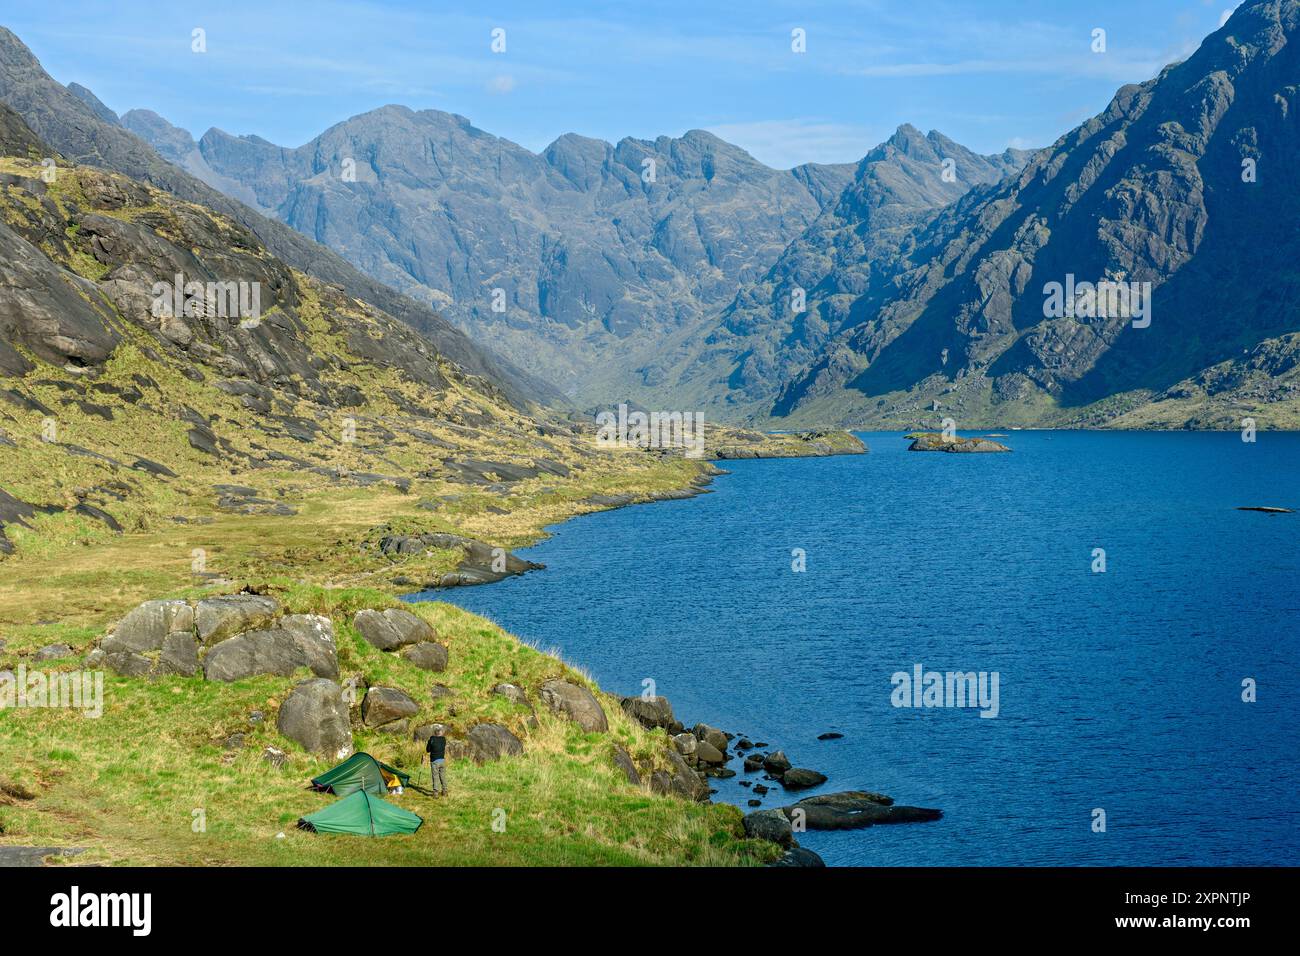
x: 437, y: 751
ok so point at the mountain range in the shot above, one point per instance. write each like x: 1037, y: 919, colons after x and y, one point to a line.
x: 912, y: 286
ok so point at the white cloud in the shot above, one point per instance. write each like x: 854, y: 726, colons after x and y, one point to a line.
x: 501, y: 84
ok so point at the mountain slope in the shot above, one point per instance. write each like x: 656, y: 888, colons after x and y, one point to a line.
x: 1156, y: 189
x: 69, y: 125
x: 600, y: 250
x: 849, y: 252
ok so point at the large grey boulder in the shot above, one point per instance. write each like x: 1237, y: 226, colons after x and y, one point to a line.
x: 427, y: 656
x: 180, y: 654
x: 253, y: 653
x: 218, y: 618
x: 684, y: 782
x: 391, y: 629
x: 491, y: 742
x: 128, y: 663
x: 576, y: 703
x: 769, y: 825
x: 147, y: 626
x: 711, y: 735
x: 705, y: 752
x: 799, y: 778
x: 651, y: 712
x: 315, y: 716
x: 383, y: 705
x: 776, y: 763
x: 799, y: 856
x: 314, y: 634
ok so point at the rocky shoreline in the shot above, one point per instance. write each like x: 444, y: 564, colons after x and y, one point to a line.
x: 705, y: 751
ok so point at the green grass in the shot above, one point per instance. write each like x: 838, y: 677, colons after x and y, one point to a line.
x: 127, y: 786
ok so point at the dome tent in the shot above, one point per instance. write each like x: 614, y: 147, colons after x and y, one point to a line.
x: 363, y: 814
x: 361, y: 772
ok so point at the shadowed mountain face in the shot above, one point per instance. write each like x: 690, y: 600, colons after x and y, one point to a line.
x: 83, y: 132
x: 1190, y: 182
x: 847, y: 256
x: 577, y: 263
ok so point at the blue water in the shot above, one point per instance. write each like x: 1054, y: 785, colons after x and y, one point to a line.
x: 1118, y: 690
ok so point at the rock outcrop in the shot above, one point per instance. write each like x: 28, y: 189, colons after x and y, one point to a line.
x: 228, y: 638
x: 316, y: 716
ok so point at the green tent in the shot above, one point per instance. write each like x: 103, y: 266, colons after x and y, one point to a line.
x: 361, y: 772
x: 363, y: 814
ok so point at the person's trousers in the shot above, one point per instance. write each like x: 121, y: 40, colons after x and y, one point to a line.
x: 438, y: 775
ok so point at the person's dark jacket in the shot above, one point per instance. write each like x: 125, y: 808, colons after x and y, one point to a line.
x: 437, y: 747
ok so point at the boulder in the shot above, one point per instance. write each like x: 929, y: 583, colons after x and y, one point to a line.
x: 776, y: 763
x: 180, y: 654
x: 799, y: 856
x: 753, y: 762
x: 383, y: 705
x: 576, y: 703
x: 769, y: 825
x: 315, y: 716
x: 650, y: 712
x: 711, y: 735
x: 492, y: 742
x: 147, y: 626
x: 128, y: 663
x: 427, y: 656
x: 797, y: 778
x: 623, y: 761
x: 684, y: 781
x: 391, y: 629
x: 705, y: 752
x: 855, y: 809
x: 253, y: 653
x: 314, y: 635
x: 686, y: 744
x: 218, y: 618
x: 52, y: 652
x: 439, y: 691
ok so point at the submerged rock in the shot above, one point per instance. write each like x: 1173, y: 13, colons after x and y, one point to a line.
x: 855, y: 809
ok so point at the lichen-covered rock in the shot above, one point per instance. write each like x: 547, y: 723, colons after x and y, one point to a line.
x: 651, y: 712
x: 316, y: 717
x: 427, y: 656
x: 147, y: 626
x: 769, y: 825
x: 314, y: 634
x: 383, y: 705
x: 180, y: 654
x: 576, y: 703
x: 253, y: 653
x: 218, y: 618
x: 491, y: 742
x: 392, y: 629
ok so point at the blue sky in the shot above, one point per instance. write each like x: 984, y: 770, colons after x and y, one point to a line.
x: 989, y: 74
